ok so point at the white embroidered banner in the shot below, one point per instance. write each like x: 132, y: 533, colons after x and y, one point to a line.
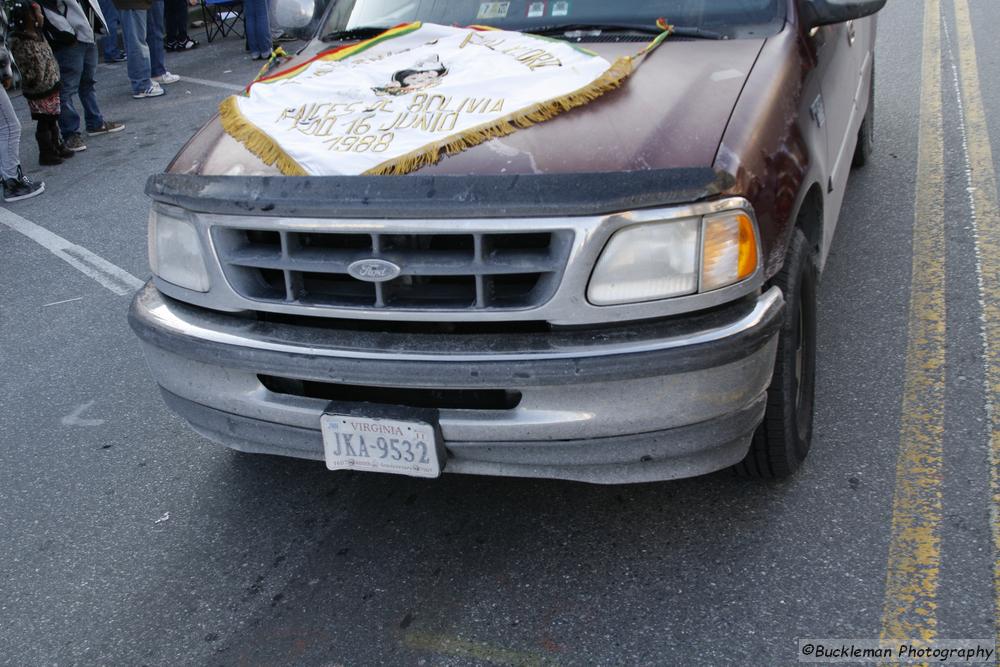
x: 401, y: 100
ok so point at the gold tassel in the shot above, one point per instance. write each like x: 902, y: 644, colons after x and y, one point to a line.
x: 256, y: 141
x: 268, y: 150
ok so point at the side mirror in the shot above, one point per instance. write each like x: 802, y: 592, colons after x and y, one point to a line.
x: 294, y: 14
x: 824, y: 12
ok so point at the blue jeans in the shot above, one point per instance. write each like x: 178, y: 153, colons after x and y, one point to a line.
x: 10, y: 138
x: 154, y: 38
x: 77, y: 67
x: 144, y: 45
x: 109, y: 43
x: 258, y: 30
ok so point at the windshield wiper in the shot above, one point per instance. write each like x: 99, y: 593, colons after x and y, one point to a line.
x: 364, y: 32
x: 581, y: 30
x: 594, y: 29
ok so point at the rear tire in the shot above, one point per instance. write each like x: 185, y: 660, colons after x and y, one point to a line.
x: 782, y: 440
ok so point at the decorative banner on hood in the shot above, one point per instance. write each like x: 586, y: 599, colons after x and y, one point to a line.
x: 403, y: 99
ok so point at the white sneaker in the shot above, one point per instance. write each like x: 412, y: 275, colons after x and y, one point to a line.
x: 153, y: 91
x: 166, y: 77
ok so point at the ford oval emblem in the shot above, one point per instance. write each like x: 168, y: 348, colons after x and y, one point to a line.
x: 373, y: 270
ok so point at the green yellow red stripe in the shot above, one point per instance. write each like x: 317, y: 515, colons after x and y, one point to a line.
x: 342, y: 52
x: 348, y: 50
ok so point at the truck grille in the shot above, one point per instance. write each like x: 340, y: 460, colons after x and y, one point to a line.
x: 438, y: 271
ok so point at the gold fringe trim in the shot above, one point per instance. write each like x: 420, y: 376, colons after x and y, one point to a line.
x: 256, y: 140
x: 612, y: 78
x: 268, y: 150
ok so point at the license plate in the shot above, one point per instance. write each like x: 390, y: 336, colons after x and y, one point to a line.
x: 380, y: 445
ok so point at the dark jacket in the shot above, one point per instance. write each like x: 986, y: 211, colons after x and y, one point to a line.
x: 39, y: 69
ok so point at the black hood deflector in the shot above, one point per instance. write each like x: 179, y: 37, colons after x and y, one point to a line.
x: 416, y: 196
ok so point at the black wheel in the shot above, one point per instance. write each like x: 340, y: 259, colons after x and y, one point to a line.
x: 782, y: 440
x: 866, y: 133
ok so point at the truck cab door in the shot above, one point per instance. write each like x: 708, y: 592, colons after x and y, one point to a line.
x: 845, y: 54
x: 838, y: 85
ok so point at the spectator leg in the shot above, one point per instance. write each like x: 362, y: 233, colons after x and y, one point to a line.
x: 134, y: 27
x: 70, y: 59
x: 276, y: 30
x: 109, y: 44
x: 10, y: 138
x: 175, y: 17
x: 258, y: 31
x: 88, y: 95
x: 154, y: 38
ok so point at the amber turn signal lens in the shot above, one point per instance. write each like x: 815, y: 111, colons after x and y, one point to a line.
x: 729, y: 249
x: 748, y: 248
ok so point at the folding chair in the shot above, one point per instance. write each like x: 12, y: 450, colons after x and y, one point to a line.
x: 223, y: 17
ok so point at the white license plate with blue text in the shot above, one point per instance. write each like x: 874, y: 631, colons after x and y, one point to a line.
x: 380, y: 445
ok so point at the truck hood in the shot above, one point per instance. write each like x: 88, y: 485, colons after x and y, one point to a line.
x: 670, y: 114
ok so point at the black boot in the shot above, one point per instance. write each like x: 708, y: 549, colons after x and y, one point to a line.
x: 60, y: 145
x: 47, y: 154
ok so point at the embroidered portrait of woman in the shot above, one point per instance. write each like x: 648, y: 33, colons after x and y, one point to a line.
x: 425, y: 74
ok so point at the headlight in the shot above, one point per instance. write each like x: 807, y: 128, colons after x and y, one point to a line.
x: 659, y: 260
x: 646, y: 262
x: 175, y: 251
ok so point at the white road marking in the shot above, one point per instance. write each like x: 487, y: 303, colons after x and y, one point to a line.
x: 970, y: 191
x: 114, y: 278
x: 213, y: 84
x: 204, y: 82
x: 58, y: 303
x: 981, y: 186
x: 74, y: 418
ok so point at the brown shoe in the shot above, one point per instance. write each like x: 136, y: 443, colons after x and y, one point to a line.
x: 108, y: 127
x: 75, y: 143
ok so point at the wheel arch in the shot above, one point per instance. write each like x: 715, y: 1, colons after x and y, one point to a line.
x: 809, y: 218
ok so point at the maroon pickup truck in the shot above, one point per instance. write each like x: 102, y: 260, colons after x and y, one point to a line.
x: 624, y: 293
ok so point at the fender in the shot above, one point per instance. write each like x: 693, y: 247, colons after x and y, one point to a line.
x: 778, y: 161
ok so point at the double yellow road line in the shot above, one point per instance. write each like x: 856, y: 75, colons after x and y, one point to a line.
x: 912, y: 574
x: 986, y: 216
x: 915, y: 547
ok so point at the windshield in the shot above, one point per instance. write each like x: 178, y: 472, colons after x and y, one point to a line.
x: 729, y: 17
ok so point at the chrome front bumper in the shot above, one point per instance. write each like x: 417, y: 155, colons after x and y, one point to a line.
x: 637, y: 402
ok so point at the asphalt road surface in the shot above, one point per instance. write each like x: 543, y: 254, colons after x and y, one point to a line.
x: 127, y: 539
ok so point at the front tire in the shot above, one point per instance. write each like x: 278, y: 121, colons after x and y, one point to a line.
x: 866, y: 133
x: 782, y: 440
